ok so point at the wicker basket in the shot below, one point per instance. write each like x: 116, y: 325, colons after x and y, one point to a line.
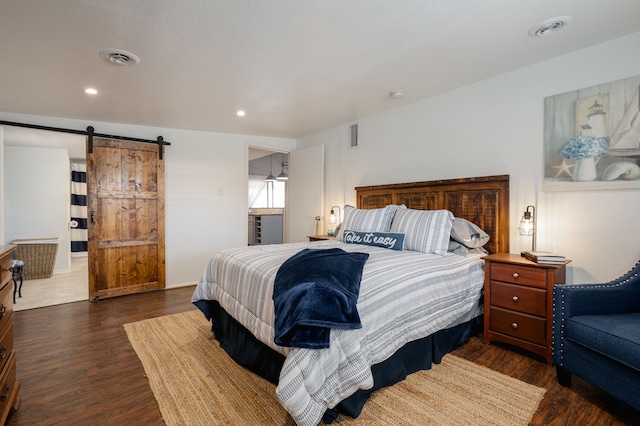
x: 39, y: 256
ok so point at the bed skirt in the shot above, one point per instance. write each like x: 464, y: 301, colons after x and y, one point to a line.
x: 255, y: 356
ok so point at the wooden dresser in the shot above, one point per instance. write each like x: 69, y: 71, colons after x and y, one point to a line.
x: 9, y: 386
x: 518, y: 296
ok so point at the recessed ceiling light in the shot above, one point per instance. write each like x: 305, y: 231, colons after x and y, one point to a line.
x: 549, y: 26
x: 119, y: 57
x: 240, y: 113
x: 90, y: 91
x: 397, y: 94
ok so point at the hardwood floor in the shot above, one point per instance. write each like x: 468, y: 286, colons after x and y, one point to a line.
x: 581, y: 404
x: 76, y: 367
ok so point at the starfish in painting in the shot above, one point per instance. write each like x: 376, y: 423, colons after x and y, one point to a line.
x: 563, y: 168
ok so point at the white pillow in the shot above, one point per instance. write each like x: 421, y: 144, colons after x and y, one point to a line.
x: 468, y: 233
x: 426, y: 231
x: 373, y: 220
x: 462, y: 250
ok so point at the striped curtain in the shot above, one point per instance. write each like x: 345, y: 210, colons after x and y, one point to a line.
x: 78, y: 209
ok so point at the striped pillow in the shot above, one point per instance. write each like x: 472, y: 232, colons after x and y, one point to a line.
x: 427, y: 231
x: 373, y: 220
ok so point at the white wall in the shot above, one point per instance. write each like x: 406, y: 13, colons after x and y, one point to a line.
x: 2, y: 186
x: 42, y: 211
x: 492, y: 127
x: 496, y: 127
x: 205, y: 188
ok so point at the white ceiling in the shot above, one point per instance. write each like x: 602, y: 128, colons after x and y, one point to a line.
x: 295, y: 66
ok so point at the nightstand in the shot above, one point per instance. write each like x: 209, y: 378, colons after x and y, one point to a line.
x: 517, y: 301
x: 320, y: 237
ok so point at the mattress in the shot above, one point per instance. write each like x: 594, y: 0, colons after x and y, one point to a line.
x: 404, y: 296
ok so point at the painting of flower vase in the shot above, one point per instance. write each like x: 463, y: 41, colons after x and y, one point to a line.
x: 592, y: 138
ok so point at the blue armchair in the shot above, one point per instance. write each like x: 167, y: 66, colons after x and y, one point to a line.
x: 596, y: 335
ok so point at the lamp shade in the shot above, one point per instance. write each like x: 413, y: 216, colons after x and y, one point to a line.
x: 283, y: 175
x: 526, y: 226
x: 271, y: 177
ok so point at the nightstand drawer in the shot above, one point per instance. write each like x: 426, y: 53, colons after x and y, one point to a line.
x: 516, y: 274
x: 521, y: 326
x: 519, y: 298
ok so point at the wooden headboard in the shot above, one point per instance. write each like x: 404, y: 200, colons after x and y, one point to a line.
x: 482, y: 200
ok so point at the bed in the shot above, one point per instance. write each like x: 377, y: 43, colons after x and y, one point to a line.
x: 410, y: 316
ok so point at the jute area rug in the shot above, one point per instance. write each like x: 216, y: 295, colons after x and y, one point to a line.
x: 196, y: 383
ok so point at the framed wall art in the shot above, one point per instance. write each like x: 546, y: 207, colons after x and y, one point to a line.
x: 592, y: 138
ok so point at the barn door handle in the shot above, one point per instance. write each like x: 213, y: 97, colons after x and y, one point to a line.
x: 92, y: 213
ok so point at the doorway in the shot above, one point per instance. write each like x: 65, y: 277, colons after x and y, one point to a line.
x: 267, y: 189
x: 36, y: 176
x: 304, y: 187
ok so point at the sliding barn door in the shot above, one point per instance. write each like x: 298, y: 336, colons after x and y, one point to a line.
x: 125, y: 197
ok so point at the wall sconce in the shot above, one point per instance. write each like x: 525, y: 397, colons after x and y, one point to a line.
x: 332, y: 215
x: 333, y: 219
x: 528, y: 225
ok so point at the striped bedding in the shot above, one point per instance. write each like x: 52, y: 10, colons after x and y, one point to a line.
x: 404, y: 296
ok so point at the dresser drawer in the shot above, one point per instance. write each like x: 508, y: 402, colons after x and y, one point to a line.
x: 5, y: 269
x: 521, y: 326
x: 517, y: 274
x: 6, y: 305
x: 519, y: 298
x: 8, y: 386
x: 6, y: 343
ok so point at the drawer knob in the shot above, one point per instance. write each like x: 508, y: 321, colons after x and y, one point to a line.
x: 3, y: 309
x: 5, y: 393
x: 515, y: 275
x: 514, y: 298
x: 514, y: 325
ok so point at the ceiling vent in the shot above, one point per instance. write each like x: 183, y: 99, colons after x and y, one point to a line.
x: 549, y: 26
x: 119, y: 57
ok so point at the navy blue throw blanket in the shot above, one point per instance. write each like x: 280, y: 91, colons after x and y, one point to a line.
x: 314, y: 291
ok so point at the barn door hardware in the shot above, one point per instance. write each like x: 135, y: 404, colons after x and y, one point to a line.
x: 90, y: 135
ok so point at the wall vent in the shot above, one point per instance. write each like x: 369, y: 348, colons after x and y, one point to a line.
x: 353, y: 136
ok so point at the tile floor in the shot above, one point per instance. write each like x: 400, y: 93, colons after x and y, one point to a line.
x: 60, y: 288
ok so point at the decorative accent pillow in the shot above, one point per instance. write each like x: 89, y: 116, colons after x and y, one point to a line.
x: 427, y: 231
x: 377, y: 239
x: 468, y: 233
x: 373, y: 220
